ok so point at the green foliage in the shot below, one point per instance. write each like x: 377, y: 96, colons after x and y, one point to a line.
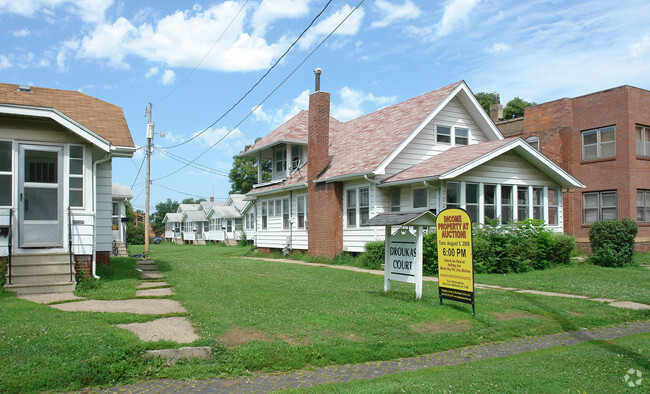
x: 487, y: 99
x: 430, y: 253
x: 612, y: 242
x: 242, y: 241
x: 162, y: 208
x: 134, y: 234
x: 243, y: 174
x: 373, y: 257
x: 518, y: 247
x: 3, y: 271
x: 190, y: 200
x: 515, y: 108
x: 344, y: 258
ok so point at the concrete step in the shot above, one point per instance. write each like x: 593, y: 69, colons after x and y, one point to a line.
x: 231, y: 242
x: 42, y: 268
x: 42, y: 278
x: 60, y: 287
x: 36, y: 258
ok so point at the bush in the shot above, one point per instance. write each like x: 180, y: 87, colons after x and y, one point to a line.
x: 430, y: 253
x: 134, y: 234
x: 373, y: 257
x: 612, y: 242
x: 563, y: 247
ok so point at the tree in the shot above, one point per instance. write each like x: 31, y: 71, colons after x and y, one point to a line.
x: 134, y: 233
x: 190, y: 200
x: 243, y: 174
x: 487, y: 99
x: 162, y: 208
x: 515, y: 108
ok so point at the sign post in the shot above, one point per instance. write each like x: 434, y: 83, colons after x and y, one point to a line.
x: 455, y: 260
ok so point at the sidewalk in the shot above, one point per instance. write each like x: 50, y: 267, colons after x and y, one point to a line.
x: 260, y: 382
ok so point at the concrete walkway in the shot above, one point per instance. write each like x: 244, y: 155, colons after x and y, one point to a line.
x: 614, y: 303
x: 261, y: 382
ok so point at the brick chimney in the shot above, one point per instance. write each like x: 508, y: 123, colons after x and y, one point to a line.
x: 324, y: 200
x: 496, y: 112
x: 211, y: 198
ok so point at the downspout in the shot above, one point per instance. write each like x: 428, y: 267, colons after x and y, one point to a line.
x: 371, y: 180
x: 100, y: 161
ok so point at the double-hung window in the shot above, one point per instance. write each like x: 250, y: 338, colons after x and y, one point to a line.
x: 443, y: 134
x: 461, y: 136
x: 507, y: 204
x: 599, y: 206
x: 420, y: 197
x: 351, y: 197
x: 296, y: 153
x: 599, y: 143
x: 522, y: 203
x: 76, y: 175
x: 5, y: 173
x: 395, y: 199
x: 453, y: 195
x: 357, y: 206
x: 285, y: 213
x: 265, y: 215
x: 643, y: 206
x: 301, y: 208
x: 538, y: 203
x: 448, y: 134
x: 472, y: 201
x: 642, y: 140
x: 490, y: 201
x: 280, y: 163
x: 553, y: 206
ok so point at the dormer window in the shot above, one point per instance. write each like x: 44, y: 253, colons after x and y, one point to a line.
x: 280, y: 163
x: 296, y: 154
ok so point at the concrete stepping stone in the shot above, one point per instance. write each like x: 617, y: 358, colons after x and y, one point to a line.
x: 154, y: 292
x: 151, y: 275
x: 175, y: 329
x: 48, y: 298
x: 146, y: 285
x: 145, y: 262
x: 183, y: 353
x: 142, y: 306
x: 147, y: 267
x: 551, y: 294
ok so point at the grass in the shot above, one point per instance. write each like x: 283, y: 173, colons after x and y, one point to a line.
x: 267, y: 316
x: 118, y: 281
x: 598, y: 367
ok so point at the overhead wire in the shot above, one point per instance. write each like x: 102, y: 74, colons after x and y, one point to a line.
x: 177, y: 191
x: 201, y: 167
x: 268, y: 96
x: 206, y: 55
x: 139, y: 169
x: 256, y: 83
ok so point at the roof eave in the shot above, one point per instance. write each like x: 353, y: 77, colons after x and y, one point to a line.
x: 277, y: 189
x: 344, y: 177
x: 249, y: 153
x: 409, y: 181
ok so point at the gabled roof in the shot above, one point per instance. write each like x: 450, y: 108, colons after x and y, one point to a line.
x: 172, y: 217
x: 456, y: 161
x: 224, y: 212
x: 92, y: 114
x: 121, y: 191
x: 206, y: 205
x: 187, y: 207
x: 194, y: 216
x: 236, y: 200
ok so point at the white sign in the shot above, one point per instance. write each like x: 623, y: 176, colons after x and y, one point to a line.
x: 402, y: 257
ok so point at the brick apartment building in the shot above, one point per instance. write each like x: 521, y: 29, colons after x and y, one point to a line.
x: 603, y: 140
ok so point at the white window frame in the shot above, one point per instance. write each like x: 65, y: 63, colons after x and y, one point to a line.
x: 600, y: 205
x: 533, y: 142
x: 286, y: 213
x: 72, y: 176
x: 426, y: 198
x: 454, y: 138
x: 395, y: 199
x: 456, y: 185
x: 642, y: 140
x: 265, y: 213
x: 10, y: 172
x: 301, y: 214
x: 538, y: 203
x: 495, y: 202
x: 599, y: 144
x: 642, y: 206
x: 356, y: 210
x: 457, y: 138
x: 476, y: 205
x: 553, y: 206
x: 282, y: 162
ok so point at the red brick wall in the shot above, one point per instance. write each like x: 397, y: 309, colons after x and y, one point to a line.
x: 83, y: 265
x: 324, y: 200
x: 103, y: 258
x: 559, y: 125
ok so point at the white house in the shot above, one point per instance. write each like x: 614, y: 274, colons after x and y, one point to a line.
x: 172, y: 221
x: 430, y: 152
x: 120, y: 194
x: 56, y: 152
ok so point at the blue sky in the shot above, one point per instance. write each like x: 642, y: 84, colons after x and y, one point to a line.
x: 194, y: 61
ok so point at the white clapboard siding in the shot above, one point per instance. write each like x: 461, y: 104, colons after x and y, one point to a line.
x: 423, y: 146
x: 508, y: 168
x: 355, y: 239
x: 82, y: 232
x: 104, y: 208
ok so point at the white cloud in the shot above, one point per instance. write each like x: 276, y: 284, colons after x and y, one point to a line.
x: 353, y: 102
x: 393, y: 12
x: 349, y: 28
x: 227, y: 141
x: 498, y: 48
x: 276, y: 117
x: 168, y: 77
x: 21, y: 33
x: 4, y: 62
x: 67, y: 46
x: 456, y: 13
x: 151, y: 72
x: 92, y: 11
x: 182, y: 39
x: 271, y: 10
x: 639, y: 48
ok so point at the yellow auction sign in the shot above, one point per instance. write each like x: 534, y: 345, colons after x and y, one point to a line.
x: 455, y: 263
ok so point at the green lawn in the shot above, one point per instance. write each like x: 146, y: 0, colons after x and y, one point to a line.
x: 270, y: 316
x: 593, y: 367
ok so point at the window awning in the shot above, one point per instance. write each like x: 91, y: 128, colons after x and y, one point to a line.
x: 403, y: 218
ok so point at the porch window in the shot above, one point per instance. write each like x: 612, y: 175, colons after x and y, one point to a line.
x: 643, y: 206
x: 599, y: 143
x: 352, y: 207
x: 280, y: 163
x: 506, y: 204
x: 296, y: 154
x: 271, y: 208
x: 285, y: 213
x: 599, y: 206
x: 395, y: 199
x: 278, y: 207
x: 471, y: 201
x: 76, y: 175
x: 420, y: 198
x: 264, y: 215
x: 5, y: 173
x: 538, y: 203
x: 453, y: 195
x: 301, y: 210
x: 642, y: 140
x: 522, y: 203
x: 553, y: 206
x: 490, y: 201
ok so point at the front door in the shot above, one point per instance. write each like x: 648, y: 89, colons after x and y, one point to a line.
x: 40, y: 196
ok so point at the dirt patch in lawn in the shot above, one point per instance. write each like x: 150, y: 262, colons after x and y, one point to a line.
x: 441, y: 327
x: 237, y: 336
x: 511, y: 315
x: 294, y: 340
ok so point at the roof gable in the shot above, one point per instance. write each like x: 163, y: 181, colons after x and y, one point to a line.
x: 70, y: 108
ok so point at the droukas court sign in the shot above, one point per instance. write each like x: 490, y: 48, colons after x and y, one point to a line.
x: 403, y: 256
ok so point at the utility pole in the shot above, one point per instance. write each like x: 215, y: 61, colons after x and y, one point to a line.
x: 150, y: 126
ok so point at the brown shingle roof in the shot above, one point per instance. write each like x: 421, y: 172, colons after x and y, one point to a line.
x: 105, y: 119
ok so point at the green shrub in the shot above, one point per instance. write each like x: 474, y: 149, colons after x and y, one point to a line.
x: 430, y: 253
x: 563, y: 247
x: 344, y: 258
x: 617, y: 236
x: 134, y: 234
x: 242, y: 241
x: 373, y: 257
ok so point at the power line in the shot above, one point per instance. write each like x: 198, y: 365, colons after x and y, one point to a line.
x: 269, y: 95
x: 256, y: 83
x: 206, y: 55
x: 177, y: 191
x: 139, y: 169
x: 194, y: 165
